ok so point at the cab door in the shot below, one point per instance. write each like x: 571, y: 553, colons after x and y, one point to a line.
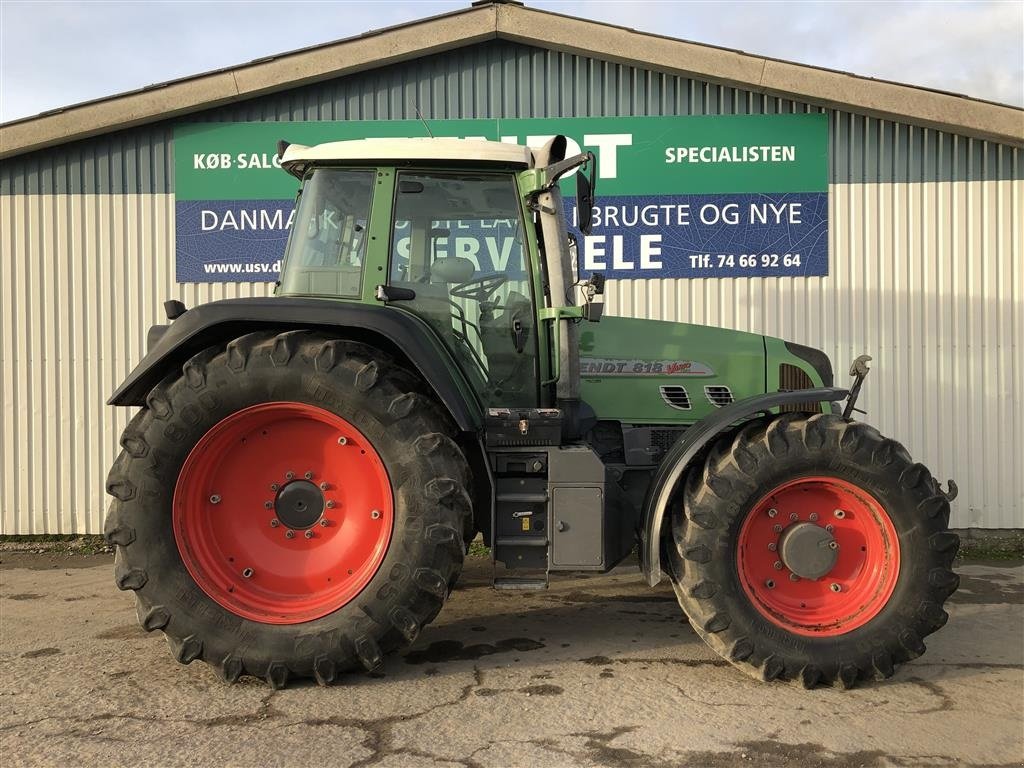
x: 459, y: 246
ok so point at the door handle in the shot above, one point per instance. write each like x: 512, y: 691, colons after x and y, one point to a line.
x: 518, y: 334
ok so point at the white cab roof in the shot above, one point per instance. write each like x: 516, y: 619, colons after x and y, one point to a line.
x: 468, y: 150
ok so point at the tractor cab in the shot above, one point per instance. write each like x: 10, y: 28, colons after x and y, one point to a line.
x: 442, y: 229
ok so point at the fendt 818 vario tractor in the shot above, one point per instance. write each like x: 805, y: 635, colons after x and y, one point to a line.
x: 296, y: 494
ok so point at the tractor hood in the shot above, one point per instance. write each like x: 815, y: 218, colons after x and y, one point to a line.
x: 656, y: 372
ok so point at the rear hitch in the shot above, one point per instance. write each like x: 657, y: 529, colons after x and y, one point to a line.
x: 859, y: 370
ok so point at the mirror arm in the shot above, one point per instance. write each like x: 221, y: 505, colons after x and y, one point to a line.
x: 555, y: 171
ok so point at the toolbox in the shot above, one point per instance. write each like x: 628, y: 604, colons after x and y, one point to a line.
x: 508, y: 427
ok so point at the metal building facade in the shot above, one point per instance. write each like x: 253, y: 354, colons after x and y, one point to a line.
x: 926, y: 269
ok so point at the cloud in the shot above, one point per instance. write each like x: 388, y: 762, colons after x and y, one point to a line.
x: 973, y: 48
x: 53, y: 54
x: 57, y: 53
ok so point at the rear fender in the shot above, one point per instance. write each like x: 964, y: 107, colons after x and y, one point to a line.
x: 387, y: 327
x: 681, y: 456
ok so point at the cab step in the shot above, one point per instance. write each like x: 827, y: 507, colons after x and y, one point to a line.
x: 522, y: 541
x: 520, y: 584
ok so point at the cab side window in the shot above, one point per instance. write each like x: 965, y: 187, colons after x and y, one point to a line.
x: 327, y: 244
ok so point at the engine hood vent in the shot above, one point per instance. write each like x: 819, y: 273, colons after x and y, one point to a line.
x: 675, y: 397
x: 718, y: 396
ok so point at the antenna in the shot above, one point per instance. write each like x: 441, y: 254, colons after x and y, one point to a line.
x: 420, y: 116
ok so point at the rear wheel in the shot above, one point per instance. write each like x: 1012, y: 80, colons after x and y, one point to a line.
x: 813, y: 549
x: 288, y: 506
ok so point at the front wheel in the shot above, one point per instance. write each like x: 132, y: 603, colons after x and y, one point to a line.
x: 813, y: 549
x: 288, y: 505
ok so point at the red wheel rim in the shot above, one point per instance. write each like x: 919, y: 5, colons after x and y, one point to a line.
x: 245, y: 512
x: 866, y: 551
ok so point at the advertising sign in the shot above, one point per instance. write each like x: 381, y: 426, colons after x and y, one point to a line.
x: 683, y: 197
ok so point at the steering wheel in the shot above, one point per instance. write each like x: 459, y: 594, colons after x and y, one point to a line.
x: 480, y: 288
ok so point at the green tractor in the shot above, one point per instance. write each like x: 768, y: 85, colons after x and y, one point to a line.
x: 297, y: 492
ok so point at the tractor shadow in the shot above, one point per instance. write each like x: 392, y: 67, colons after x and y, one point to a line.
x: 615, y: 619
x: 593, y: 619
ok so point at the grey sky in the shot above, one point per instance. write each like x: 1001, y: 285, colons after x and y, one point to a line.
x: 57, y: 53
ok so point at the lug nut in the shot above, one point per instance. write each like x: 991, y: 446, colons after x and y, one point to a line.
x: 778, y: 565
x: 308, y: 475
x: 793, y: 516
x: 839, y: 514
x: 375, y: 514
x: 274, y: 523
x: 274, y: 486
x: 289, y: 475
x: 770, y: 584
x: 330, y: 504
x: 323, y: 486
x: 835, y: 587
x: 794, y: 577
x: 813, y: 517
x: 289, y: 534
x: 323, y: 523
x: 308, y: 534
x: 772, y: 512
x: 215, y: 499
x: 777, y: 528
x: 268, y: 505
x: 830, y: 528
x: 772, y: 546
x: 833, y: 545
x: 342, y: 440
x: 247, y: 573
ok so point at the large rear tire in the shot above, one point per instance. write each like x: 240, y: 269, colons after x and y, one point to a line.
x: 289, y: 505
x: 810, y: 548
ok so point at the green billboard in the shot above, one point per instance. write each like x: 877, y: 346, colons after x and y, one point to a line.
x: 694, y: 196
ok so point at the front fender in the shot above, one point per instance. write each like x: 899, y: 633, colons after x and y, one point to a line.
x: 673, y: 467
x: 221, y: 321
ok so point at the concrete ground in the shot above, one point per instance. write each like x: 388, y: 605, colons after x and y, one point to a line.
x: 597, y: 671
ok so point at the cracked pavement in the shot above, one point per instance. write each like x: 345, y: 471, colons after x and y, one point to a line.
x: 596, y: 671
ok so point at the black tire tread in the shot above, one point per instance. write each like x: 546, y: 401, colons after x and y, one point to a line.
x: 701, y: 552
x: 398, y: 396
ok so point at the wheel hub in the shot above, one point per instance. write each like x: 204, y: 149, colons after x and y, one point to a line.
x: 818, y: 556
x: 299, y: 504
x: 808, y: 550
x: 283, y: 535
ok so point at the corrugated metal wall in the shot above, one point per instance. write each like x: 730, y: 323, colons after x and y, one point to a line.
x: 926, y: 271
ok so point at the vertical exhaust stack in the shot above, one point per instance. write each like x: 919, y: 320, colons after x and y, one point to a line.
x: 561, y: 280
x: 560, y: 283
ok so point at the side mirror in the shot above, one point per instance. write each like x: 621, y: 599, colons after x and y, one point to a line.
x: 585, y: 193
